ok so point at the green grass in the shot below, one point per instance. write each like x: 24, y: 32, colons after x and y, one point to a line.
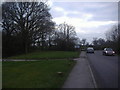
x: 35, y: 74
x: 47, y: 54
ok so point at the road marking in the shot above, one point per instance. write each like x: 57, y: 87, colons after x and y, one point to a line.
x: 93, y: 78
x: 94, y: 81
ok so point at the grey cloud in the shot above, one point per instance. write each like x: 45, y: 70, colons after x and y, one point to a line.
x: 101, y: 10
x: 56, y: 14
x: 0, y: 12
x: 89, y: 37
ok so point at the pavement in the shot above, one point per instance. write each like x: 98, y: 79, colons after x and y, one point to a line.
x: 81, y: 75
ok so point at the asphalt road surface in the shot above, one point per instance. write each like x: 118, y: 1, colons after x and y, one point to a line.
x: 105, y: 69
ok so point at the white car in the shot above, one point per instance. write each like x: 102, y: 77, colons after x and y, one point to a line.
x: 108, y: 51
x: 90, y: 50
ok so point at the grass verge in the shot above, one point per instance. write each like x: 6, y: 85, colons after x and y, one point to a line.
x: 35, y: 74
x: 47, y: 54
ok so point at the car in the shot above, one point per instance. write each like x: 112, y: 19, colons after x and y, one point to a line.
x: 90, y: 50
x: 108, y: 51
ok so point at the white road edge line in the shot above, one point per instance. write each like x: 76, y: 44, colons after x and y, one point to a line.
x: 94, y: 81
x: 93, y: 78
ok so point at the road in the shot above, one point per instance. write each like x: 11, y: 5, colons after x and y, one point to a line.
x: 105, y: 69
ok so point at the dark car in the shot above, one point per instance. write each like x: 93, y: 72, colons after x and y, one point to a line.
x: 108, y: 51
x: 90, y: 50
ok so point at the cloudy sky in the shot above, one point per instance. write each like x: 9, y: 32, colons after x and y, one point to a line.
x: 91, y: 19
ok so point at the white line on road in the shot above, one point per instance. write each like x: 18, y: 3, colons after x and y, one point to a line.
x: 93, y: 78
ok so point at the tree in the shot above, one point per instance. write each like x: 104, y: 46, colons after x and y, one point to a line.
x: 99, y: 43
x: 83, y: 41
x: 119, y: 38
x: 26, y: 21
x: 112, y: 34
x: 65, y: 36
x: 0, y: 44
x: 112, y: 37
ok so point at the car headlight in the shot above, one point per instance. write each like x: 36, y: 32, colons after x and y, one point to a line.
x: 106, y: 51
x: 113, y: 52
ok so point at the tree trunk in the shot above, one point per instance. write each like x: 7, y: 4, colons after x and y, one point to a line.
x: 26, y: 48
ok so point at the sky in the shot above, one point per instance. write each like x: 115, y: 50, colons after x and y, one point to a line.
x: 90, y: 19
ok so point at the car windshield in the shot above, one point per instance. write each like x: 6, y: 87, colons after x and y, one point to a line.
x: 109, y: 49
x: 90, y: 48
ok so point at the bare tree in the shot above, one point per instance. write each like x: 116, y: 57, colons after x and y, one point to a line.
x: 112, y: 34
x: 112, y: 37
x: 29, y: 21
x: 83, y: 41
x: 65, y: 36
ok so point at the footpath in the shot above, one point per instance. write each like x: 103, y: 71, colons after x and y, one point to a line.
x: 81, y: 75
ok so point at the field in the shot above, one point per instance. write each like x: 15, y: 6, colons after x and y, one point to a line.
x: 47, y: 55
x: 35, y: 74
